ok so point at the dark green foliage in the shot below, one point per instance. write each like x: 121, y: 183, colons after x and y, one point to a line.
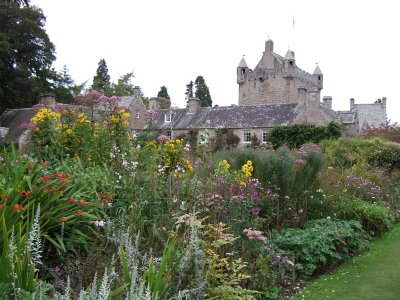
x: 26, y: 55
x: 163, y: 93
x: 101, y: 81
x: 374, y: 218
x: 64, y: 86
x: 296, y: 135
x: 189, y: 90
x: 322, y: 243
x: 202, y: 92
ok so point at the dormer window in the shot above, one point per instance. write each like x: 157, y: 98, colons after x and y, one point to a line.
x: 168, y: 117
x: 137, y: 115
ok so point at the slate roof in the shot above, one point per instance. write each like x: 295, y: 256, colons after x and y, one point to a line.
x: 14, y: 118
x: 260, y: 116
x: 317, y: 71
x: 242, y: 63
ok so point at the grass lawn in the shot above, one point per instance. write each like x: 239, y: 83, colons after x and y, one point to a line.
x: 375, y: 274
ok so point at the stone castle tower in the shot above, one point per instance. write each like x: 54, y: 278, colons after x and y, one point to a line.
x: 277, y: 80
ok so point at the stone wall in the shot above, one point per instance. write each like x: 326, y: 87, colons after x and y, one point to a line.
x: 370, y: 115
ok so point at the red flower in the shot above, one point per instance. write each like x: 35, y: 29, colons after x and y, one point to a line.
x: 63, y: 182
x: 29, y: 166
x: 63, y: 219
x: 18, y: 207
x: 82, y: 202
x: 71, y: 200
x: 25, y: 193
x: 59, y: 175
x: 34, y: 186
x: 43, y: 163
x: 46, y: 190
x: 79, y: 213
x: 4, y: 197
x: 67, y: 176
x: 45, y: 178
x: 1, y: 206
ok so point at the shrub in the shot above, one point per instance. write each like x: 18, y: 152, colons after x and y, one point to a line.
x: 374, y: 218
x: 296, y: 135
x: 346, y: 152
x: 321, y: 243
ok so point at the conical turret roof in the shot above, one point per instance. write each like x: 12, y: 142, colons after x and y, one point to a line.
x: 317, y: 71
x: 242, y: 63
x: 289, y: 55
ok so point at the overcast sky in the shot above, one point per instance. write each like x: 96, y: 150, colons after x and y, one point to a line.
x: 355, y: 43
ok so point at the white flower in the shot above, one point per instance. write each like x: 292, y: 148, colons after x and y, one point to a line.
x: 100, y: 223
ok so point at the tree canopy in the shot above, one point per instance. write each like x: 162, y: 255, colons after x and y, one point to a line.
x: 163, y: 93
x: 26, y: 54
x: 189, y: 90
x: 101, y: 81
x: 202, y: 92
x: 124, y: 86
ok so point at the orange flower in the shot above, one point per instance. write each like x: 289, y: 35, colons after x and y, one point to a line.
x: 59, y: 175
x: 4, y: 197
x: 63, y: 219
x: 79, y: 213
x: 1, y: 206
x: 82, y: 202
x: 63, y: 182
x: 29, y: 166
x: 43, y: 163
x: 18, y: 207
x: 26, y: 193
x: 45, y: 178
x: 46, y: 190
x: 71, y: 200
x: 34, y: 186
x: 67, y: 176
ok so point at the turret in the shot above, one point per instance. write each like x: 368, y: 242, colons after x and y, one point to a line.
x: 269, y: 48
x: 289, y: 59
x: 319, y: 76
x: 242, y: 70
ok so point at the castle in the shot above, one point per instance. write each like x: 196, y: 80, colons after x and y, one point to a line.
x: 276, y: 92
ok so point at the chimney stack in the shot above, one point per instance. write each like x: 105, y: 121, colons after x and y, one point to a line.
x: 48, y: 99
x: 193, y: 104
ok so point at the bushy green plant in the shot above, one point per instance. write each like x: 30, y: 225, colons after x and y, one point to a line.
x: 374, y: 218
x: 296, y: 135
x: 321, y: 243
x: 346, y: 152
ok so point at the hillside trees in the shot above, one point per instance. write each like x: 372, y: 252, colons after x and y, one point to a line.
x: 26, y: 54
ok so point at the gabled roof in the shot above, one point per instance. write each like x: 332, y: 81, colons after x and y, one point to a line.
x: 260, y: 116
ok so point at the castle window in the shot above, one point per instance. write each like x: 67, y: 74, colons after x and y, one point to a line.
x: 168, y: 117
x: 246, y: 136
x: 265, y: 136
x: 243, y: 71
x: 319, y: 77
x: 137, y: 115
x: 291, y: 63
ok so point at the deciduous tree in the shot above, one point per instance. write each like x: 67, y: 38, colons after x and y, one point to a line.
x: 26, y: 54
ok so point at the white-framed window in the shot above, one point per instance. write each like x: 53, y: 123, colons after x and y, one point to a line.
x: 265, y: 136
x: 168, y: 117
x: 169, y: 133
x: 137, y: 115
x: 246, y: 136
